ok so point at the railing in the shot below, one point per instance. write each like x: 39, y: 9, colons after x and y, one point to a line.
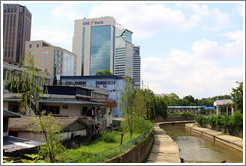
x: 111, y: 152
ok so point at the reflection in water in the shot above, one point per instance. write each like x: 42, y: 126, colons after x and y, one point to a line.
x: 197, y: 149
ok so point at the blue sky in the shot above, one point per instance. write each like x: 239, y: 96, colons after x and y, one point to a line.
x: 188, y: 48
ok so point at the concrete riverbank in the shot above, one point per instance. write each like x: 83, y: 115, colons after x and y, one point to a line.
x: 165, y: 149
x: 232, y: 141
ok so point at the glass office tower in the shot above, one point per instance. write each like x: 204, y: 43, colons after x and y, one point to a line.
x: 93, y: 43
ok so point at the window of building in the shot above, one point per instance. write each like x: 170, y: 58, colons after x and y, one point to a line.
x: 35, y: 58
x: 42, y: 64
x: 30, y: 45
x: 54, y: 109
x: 42, y: 58
x: 31, y: 53
x: 46, y: 58
x: 37, y: 45
x: 65, y: 106
x: 35, y: 52
x: 46, y: 64
x: 46, y: 70
x: 42, y: 52
x: 47, y: 52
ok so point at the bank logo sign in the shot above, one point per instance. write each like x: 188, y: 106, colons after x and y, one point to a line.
x: 92, y: 22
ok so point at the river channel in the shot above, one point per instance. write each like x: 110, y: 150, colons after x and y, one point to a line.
x: 198, y: 149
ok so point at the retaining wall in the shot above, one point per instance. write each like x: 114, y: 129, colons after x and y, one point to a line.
x: 136, y: 154
x: 228, y: 140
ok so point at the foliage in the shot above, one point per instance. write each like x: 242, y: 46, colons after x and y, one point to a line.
x: 104, y: 73
x: 53, y: 146
x: 187, y: 114
x: 237, y: 120
x: 108, y: 137
x: 232, y: 123
x: 35, y: 158
x: 7, y: 161
x: 127, y: 102
x: 160, y: 107
x: 237, y: 96
x: 29, y: 84
x: 96, y: 146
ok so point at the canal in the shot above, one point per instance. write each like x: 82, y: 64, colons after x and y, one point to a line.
x: 198, y: 149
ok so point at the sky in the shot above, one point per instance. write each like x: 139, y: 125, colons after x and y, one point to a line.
x: 186, y: 48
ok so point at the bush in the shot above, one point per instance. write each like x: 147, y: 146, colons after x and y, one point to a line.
x: 187, y: 114
x: 237, y: 120
x: 212, y: 121
x: 108, y: 137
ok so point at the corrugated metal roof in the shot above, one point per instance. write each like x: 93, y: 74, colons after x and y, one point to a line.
x: 70, y: 101
x: 10, y: 114
x: 90, y: 77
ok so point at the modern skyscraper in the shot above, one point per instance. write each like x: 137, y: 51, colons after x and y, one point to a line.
x: 17, y: 21
x: 123, y: 64
x: 93, y: 43
x: 136, y: 67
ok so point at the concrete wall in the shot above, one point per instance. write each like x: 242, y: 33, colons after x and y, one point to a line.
x: 137, y: 154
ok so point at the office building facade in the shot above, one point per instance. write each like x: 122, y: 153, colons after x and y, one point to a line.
x: 136, y: 67
x: 17, y: 22
x: 55, y: 61
x: 93, y: 43
x: 123, y: 64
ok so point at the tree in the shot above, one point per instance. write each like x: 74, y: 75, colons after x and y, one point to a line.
x: 237, y: 96
x: 30, y: 85
x: 104, y: 73
x: 126, y: 103
x: 161, y: 107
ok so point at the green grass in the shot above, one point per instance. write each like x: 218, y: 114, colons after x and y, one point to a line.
x: 95, y: 146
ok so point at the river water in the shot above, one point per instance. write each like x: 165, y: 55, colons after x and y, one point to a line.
x: 198, y: 149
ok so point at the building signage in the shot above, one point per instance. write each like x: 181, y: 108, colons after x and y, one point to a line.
x: 92, y: 22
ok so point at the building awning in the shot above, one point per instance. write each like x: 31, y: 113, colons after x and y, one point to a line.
x: 11, y: 100
x: 60, y: 101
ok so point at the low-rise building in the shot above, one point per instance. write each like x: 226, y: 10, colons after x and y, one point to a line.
x: 113, y: 84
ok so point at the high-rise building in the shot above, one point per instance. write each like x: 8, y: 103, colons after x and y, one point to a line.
x: 17, y: 21
x: 55, y: 61
x: 136, y: 67
x: 93, y: 43
x: 123, y: 64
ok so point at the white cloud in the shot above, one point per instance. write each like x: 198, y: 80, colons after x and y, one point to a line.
x: 213, y: 19
x: 195, y: 73
x: 65, y: 10
x: 53, y: 35
x: 145, y: 19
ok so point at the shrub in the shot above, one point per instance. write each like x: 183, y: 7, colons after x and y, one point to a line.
x: 219, y: 122
x: 212, y: 120
x: 108, y: 137
x: 237, y: 120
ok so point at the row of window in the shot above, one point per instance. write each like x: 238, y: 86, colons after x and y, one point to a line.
x: 30, y: 45
x: 35, y: 52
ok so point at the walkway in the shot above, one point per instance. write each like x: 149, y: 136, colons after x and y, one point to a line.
x: 232, y: 141
x: 165, y: 150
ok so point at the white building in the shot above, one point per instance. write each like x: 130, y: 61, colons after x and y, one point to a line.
x: 93, y: 43
x: 123, y: 65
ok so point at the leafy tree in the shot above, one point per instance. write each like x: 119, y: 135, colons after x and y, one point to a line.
x: 126, y: 103
x: 30, y: 85
x: 237, y: 96
x: 104, y: 73
x: 161, y: 107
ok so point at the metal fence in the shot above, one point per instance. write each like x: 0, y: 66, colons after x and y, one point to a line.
x: 111, y: 152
